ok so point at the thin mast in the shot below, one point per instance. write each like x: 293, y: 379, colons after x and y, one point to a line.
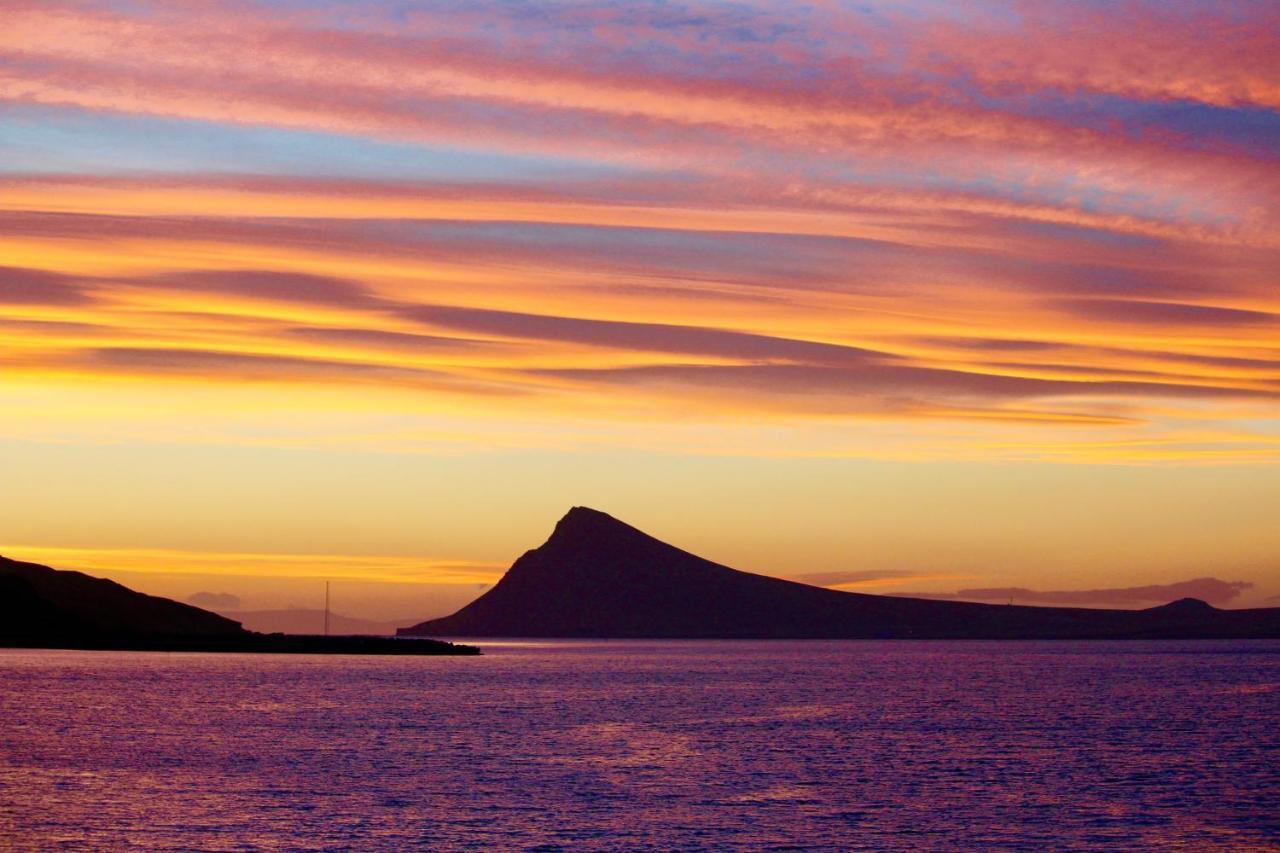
x: 326, y: 608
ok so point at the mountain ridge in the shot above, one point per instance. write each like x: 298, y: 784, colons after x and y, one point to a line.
x: 46, y: 608
x: 596, y: 576
x: 38, y: 601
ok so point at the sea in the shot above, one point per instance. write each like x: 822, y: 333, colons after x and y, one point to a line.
x: 708, y: 745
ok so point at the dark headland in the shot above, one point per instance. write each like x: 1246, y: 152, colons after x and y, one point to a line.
x: 42, y: 607
x: 599, y: 577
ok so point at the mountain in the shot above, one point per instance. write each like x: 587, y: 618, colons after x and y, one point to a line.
x: 42, y: 607
x: 37, y: 601
x: 304, y: 621
x: 599, y: 577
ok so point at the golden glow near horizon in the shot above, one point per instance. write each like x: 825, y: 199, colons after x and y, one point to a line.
x: 356, y: 294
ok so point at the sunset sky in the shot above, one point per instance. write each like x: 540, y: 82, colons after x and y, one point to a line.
x: 896, y: 297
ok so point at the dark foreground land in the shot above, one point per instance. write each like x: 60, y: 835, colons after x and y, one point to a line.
x: 288, y: 644
x: 43, y: 608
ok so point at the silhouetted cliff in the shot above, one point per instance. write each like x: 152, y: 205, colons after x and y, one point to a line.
x: 42, y: 607
x: 598, y: 577
x: 36, y: 601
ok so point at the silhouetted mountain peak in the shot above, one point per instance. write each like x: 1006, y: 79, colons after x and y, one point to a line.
x: 599, y: 577
x: 588, y: 531
x: 1190, y: 606
x: 583, y: 520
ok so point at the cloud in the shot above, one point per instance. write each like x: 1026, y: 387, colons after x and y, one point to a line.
x: 907, y: 384
x: 842, y: 578
x: 22, y: 286
x: 165, y: 359
x: 56, y: 327
x: 215, y: 600
x: 1212, y: 590
x: 380, y: 338
x: 742, y: 209
x: 225, y: 230
x: 241, y: 366
x: 1176, y: 314
x: 644, y: 337
x: 1081, y: 356
x: 748, y: 87
x: 271, y: 285
x: 989, y: 345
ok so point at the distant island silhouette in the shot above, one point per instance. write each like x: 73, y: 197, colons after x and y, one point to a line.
x: 599, y: 577
x: 307, y: 621
x: 42, y: 607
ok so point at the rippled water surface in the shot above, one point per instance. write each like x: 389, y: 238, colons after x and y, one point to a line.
x: 906, y: 745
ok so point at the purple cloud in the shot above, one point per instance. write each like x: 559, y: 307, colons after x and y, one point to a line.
x: 887, y: 380
x: 252, y: 366
x: 271, y: 285
x: 1161, y: 313
x: 380, y: 338
x: 1212, y: 590
x: 647, y: 337
x: 838, y: 578
x: 215, y: 600
x: 22, y: 286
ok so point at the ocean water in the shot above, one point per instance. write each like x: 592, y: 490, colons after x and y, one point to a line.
x: 648, y: 745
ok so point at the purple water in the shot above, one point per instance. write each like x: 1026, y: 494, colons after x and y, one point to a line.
x: 688, y: 745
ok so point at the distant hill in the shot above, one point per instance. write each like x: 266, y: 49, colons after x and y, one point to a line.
x: 304, y: 621
x: 42, y: 607
x: 599, y: 577
x: 37, y: 601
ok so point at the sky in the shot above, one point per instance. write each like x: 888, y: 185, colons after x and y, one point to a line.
x: 976, y: 300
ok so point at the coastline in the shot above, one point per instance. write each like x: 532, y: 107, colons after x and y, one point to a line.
x: 253, y: 644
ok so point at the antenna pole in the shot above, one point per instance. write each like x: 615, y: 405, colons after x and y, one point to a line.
x: 326, y: 608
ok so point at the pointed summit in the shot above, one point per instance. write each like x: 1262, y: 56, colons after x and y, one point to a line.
x: 583, y: 527
x: 596, y: 576
x: 585, y: 515
x: 585, y: 521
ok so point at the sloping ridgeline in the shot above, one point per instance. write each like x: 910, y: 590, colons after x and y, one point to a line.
x: 599, y: 577
x: 40, y: 602
x: 42, y: 607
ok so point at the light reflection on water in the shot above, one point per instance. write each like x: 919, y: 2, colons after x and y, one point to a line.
x: 746, y: 745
